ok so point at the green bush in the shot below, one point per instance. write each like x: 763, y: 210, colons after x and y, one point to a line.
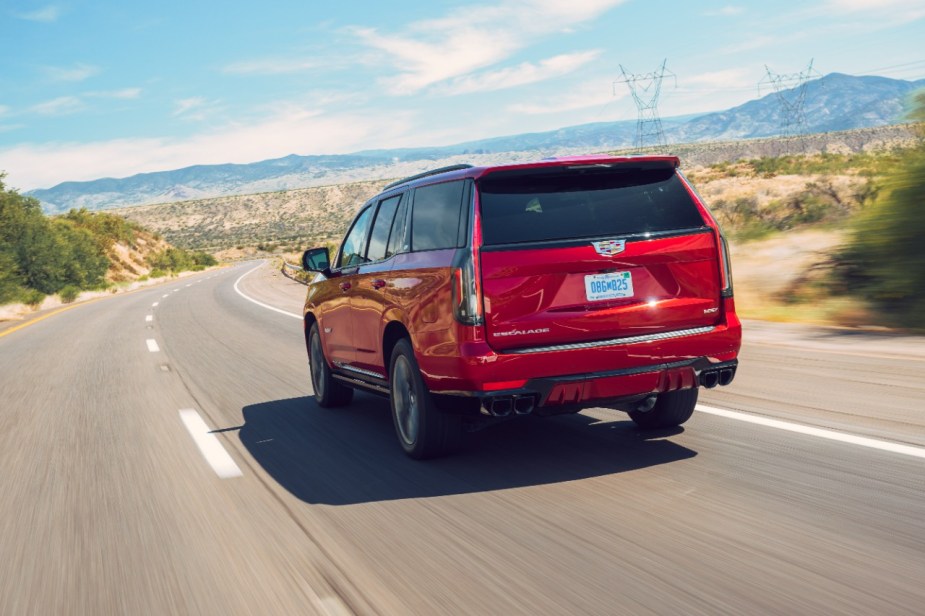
x: 68, y: 294
x: 32, y: 297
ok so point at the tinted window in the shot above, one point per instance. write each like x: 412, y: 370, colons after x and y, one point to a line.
x: 397, y: 241
x: 379, y: 237
x: 354, y: 249
x: 435, y: 216
x: 570, y: 204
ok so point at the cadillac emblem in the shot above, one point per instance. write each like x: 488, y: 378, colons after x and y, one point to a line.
x: 609, y: 248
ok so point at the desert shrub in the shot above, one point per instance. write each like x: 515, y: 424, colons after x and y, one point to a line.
x: 68, y: 293
x: 32, y: 297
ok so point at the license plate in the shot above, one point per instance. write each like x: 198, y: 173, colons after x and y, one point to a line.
x: 608, y: 286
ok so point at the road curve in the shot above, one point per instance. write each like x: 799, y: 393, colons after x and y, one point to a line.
x: 115, y: 502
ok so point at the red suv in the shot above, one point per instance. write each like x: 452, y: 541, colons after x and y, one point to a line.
x: 471, y: 294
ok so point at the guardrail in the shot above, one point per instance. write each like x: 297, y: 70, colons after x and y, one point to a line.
x: 287, y: 267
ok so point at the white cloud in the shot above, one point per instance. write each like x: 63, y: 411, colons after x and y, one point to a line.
x: 63, y: 105
x: 78, y: 72
x: 750, y: 44
x: 732, y: 78
x: 4, y: 110
x: 522, y: 74
x: 473, y: 38
x: 45, y: 14
x: 195, y: 108
x: 877, y: 12
x: 726, y: 11
x: 287, y: 129
x: 874, y: 5
x: 124, y: 94
x: 272, y: 66
x: 596, y: 93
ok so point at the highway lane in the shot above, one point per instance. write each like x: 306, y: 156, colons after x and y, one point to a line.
x: 109, y: 507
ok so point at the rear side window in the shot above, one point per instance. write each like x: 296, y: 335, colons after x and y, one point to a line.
x: 562, y: 204
x: 397, y: 241
x: 435, y: 216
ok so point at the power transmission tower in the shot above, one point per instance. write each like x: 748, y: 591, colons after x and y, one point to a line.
x: 645, y: 88
x: 790, y: 90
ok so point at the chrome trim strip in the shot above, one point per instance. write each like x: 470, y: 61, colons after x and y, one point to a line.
x: 344, y: 366
x: 615, y: 341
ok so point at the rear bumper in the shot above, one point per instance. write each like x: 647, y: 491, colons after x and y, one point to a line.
x: 561, y: 380
x: 552, y: 395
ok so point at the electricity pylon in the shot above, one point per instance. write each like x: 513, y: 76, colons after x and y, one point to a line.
x: 790, y: 90
x: 645, y: 88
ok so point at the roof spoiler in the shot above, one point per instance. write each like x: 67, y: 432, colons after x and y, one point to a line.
x: 438, y: 171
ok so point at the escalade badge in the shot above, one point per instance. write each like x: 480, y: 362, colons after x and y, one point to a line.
x: 609, y: 248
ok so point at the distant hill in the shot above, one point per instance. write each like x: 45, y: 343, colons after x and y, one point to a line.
x: 833, y: 103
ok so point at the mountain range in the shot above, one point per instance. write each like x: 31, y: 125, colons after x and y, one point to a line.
x: 834, y: 102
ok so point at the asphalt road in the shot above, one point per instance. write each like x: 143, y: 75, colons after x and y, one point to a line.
x: 109, y: 506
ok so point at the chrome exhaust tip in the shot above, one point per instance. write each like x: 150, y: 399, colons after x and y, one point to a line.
x: 726, y: 375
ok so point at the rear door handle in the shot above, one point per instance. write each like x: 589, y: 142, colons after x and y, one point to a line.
x: 345, y: 286
x: 378, y: 283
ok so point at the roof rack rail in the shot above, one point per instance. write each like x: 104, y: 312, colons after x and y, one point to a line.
x: 427, y: 174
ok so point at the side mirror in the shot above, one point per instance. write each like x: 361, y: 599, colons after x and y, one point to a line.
x: 316, y: 260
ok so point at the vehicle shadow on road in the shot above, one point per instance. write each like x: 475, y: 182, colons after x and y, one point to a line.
x: 350, y: 455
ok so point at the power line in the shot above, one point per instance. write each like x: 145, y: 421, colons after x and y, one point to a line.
x: 645, y: 89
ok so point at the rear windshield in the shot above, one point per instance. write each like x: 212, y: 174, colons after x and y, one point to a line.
x: 561, y: 204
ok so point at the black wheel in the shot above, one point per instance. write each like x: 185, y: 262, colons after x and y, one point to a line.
x: 671, y: 409
x: 423, y: 431
x: 328, y: 391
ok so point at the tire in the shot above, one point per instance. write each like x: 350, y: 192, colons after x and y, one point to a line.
x: 423, y: 431
x: 329, y: 393
x: 671, y: 409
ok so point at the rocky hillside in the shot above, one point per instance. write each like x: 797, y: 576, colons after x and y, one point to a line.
x: 834, y: 103
x: 298, y: 218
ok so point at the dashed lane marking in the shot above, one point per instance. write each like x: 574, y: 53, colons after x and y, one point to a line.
x: 152, y: 345
x: 149, y: 318
x: 209, y: 445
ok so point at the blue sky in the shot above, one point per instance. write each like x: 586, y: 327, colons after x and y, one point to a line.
x: 110, y: 89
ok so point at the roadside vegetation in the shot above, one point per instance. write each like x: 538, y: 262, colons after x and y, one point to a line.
x: 884, y: 259
x: 864, y: 213
x: 64, y: 255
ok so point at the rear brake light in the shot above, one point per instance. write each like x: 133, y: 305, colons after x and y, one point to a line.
x: 467, y: 293
x: 725, y: 266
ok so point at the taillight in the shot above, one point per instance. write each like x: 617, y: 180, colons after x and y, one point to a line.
x: 467, y: 292
x: 725, y: 266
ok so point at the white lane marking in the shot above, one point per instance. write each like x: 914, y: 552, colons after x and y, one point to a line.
x: 251, y: 299
x: 154, y: 305
x: 152, y: 345
x: 832, y: 435
x: 149, y: 318
x: 165, y: 295
x: 209, y: 445
x: 190, y: 284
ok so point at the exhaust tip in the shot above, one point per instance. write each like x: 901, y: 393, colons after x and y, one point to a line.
x: 501, y: 407
x: 726, y: 375
x: 709, y: 379
x: 523, y: 405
